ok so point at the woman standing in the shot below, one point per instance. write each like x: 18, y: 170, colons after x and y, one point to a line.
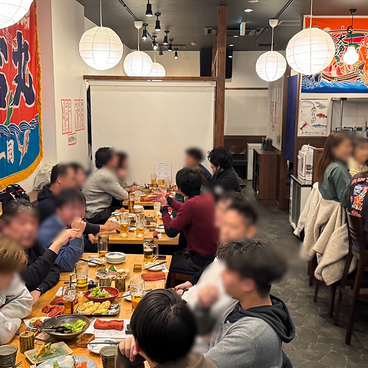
x: 332, y: 173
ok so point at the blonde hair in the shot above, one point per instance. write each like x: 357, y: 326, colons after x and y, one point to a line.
x: 12, y: 256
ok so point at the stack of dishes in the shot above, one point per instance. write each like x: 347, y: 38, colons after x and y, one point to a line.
x: 138, y: 208
x: 115, y: 257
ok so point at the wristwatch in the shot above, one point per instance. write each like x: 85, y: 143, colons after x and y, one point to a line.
x: 40, y: 289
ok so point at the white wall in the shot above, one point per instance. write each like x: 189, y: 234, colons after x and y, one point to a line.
x: 152, y: 121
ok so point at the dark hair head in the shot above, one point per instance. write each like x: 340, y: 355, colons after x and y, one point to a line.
x: 102, y: 156
x: 58, y: 170
x: 332, y: 141
x: 196, y: 153
x: 122, y: 157
x: 16, y: 207
x: 189, y: 181
x: 255, y: 260
x: 69, y: 196
x: 246, y: 211
x: 358, y: 141
x: 232, y: 196
x: 76, y: 166
x: 220, y: 157
x: 163, y: 326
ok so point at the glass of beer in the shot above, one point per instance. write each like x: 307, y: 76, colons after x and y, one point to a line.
x: 157, y: 207
x: 131, y: 203
x: 153, y: 180
x: 81, y: 272
x: 69, y: 296
x: 137, y: 195
x: 140, y: 224
x: 150, y: 250
x: 103, y: 245
x: 124, y: 224
x: 136, y: 290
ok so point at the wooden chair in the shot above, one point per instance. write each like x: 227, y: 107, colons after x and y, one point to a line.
x: 180, y: 275
x: 357, y: 249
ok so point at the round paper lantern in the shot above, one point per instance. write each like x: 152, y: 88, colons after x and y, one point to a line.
x: 138, y: 64
x: 12, y: 11
x: 351, y: 56
x: 100, y: 48
x: 157, y: 70
x: 271, y: 66
x: 310, y: 51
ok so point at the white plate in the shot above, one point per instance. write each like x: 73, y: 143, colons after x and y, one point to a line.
x: 155, y: 268
x: 116, y: 262
x: 78, y: 359
x: 127, y: 296
x: 115, y: 256
x: 96, y: 348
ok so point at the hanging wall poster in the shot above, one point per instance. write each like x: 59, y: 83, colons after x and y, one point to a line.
x: 313, y: 118
x: 275, y: 96
x: 339, y: 77
x: 20, y: 106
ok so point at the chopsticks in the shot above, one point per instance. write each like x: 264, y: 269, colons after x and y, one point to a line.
x: 17, y: 365
x: 104, y: 343
x: 155, y: 265
x: 95, y: 263
x: 128, y: 293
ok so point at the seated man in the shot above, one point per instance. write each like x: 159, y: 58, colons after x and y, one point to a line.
x: 80, y: 174
x: 15, y: 299
x: 69, y: 211
x: 20, y: 221
x: 164, y: 331
x: 194, y: 157
x: 102, y: 186
x: 195, y: 217
x: 224, y: 176
x: 252, y: 330
x: 62, y: 177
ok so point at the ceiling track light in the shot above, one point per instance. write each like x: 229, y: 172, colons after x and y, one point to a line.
x: 166, y: 40
x: 144, y: 33
x: 154, y: 43
x: 149, y: 12
x: 176, y: 55
x: 170, y: 48
x: 158, y: 23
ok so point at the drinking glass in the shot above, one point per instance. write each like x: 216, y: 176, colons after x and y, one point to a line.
x: 81, y: 272
x: 137, y: 286
x: 108, y: 355
x: 137, y: 195
x: 124, y: 224
x: 8, y: 355
x: 153, y: 180
x: 157, y: 207
x: 167, y: 183
x: 105, y: 281
x: 103, y: 245
x: 150, y: 250
x: 140, y: 224
x: 69, y: 296
x: 131, y: 203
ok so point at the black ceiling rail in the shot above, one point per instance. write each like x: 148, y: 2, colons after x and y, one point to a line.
x: 278, y: 15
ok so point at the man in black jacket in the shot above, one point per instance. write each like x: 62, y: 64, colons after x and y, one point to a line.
x: 224, y: 176
x: 20, y: 221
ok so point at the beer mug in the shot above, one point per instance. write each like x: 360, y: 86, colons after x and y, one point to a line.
x: 140, y: 224
x: 124, y: 224
x: 137, y: 195
x: 137, y: 286
x: 69, y: 297
x: 150, y: 250
x: 81, y: 271
x: 103, y: 245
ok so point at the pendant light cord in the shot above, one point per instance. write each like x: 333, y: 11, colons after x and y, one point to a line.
x: 138, y: 38
x: 311, y: 14
x: 273, y: 30
x: 100, y: 13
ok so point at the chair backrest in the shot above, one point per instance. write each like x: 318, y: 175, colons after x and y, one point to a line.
x: 356, y: 232
x: 238, y: 150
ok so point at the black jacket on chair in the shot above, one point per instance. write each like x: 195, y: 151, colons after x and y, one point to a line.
x: 224, y: 181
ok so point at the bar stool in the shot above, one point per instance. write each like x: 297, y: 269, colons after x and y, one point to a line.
x: 358, y: 250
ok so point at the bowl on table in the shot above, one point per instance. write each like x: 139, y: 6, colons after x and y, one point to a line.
x: 138, y: 208
x: 115, y: 257
x: 59, y: 320
x: 114, y: 293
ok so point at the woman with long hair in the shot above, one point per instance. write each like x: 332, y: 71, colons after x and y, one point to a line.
x: 332, y: 173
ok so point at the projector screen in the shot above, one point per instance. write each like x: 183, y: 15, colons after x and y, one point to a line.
x: 152, y: 122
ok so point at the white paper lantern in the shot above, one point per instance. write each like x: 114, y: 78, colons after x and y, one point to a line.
x: 310, y: 51
x: 157, y: 70
x: 271, y: 66
x: 138, y: 64
x: 100, y: 48
x: 12, y: 11
x: 351, y: 56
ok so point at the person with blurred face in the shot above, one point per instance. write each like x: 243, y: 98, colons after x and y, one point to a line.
x: 15, y: 299
x: 69, y: 212
x: 251, y: 331
x: 80, y: 174
x: 62, y: 177
x: 20, y: 221
x: 194, y: 158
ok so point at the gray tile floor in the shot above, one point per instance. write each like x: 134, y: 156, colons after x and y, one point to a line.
x: 318, y: 343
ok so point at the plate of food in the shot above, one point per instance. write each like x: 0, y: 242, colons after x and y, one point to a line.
x: 69, y: 362
x: 74, y: 323
x: 35, y: 323
x: 127, y: 296
x: 102, y: 294
x: 48, y: 351
x: 112, y: 272
x: 95, y: 348
x: 98, y: 309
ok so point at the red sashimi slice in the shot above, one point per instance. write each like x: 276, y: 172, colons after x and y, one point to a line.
x: 101, y: 324
x: 153, y: 276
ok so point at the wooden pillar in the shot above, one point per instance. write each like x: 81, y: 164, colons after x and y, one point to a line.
x: 220, y: 59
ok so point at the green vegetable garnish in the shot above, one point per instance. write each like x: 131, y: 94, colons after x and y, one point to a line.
x: 76, y: 326
x: 98, y: 293
x: 113, y: 268
x: 103, y: 270
x: 55, y: 364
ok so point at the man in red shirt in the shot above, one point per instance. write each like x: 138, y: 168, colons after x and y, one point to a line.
x: 195, y: 218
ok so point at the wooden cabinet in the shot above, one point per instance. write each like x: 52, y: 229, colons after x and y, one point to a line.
x: 265, y: 175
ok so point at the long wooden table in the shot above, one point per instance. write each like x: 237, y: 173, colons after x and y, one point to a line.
x: 125, y: 307
x: 115, y: 238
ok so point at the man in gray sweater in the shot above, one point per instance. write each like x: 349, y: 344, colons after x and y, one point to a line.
x: 252, y: 330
